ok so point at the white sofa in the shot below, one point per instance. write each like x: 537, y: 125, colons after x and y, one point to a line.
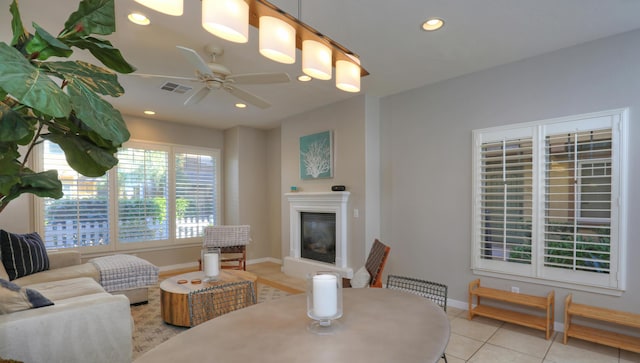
x: 85, y: 324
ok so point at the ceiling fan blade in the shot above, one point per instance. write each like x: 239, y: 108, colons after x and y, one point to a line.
x: 197, y: 96
x: 259, y: 78
x: 145, y: 75
x: 194, y: 58
x: 247, y: 97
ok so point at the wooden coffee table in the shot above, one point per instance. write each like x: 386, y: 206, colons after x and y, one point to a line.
x: 174, y: 297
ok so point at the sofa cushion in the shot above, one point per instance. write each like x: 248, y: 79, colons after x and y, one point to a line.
x: 65, y: 289
x: 15, y: 298
x: 63, y: 273
x: 22, y: 254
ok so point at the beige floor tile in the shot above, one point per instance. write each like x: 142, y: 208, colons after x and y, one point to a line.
x: 629, y: 357
x: 462, y: 347
x: 479, y: 328
x: 453, y: 313
x: 580, y: 351
x: 452, y: 359
x: 522, y: 339
x: 490, y: 353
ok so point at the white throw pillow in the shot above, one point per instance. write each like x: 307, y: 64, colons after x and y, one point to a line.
x: 361, y: 278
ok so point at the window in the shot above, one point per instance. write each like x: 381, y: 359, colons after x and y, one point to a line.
x: 81, y: 217
x: 158, y: 195
x: 549, y: 201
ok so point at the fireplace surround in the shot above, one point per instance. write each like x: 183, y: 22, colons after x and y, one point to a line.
x: 320, y: 203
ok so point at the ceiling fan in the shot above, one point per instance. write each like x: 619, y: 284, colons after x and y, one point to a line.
x: 216, y: 76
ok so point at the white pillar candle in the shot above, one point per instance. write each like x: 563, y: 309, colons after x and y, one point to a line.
x: 211, y: 264
x: 325, y: 295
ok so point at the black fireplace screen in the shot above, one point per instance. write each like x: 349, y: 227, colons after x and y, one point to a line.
x: 318, y: 236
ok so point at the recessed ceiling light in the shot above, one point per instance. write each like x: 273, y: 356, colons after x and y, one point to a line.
x: 138, y: 18
x: 304, y: 78
x: 432, y: 24
x: 149, y: 112
x: 241, y: 105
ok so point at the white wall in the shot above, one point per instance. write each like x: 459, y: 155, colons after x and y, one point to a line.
x: 426, y: 155
x: 347, y: 120
x: 246, y: 181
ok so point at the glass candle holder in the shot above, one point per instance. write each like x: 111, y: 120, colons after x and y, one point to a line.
x: 211, y: 263
x: 324, y: 301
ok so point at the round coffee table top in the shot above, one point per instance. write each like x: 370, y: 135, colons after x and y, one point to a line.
x: 172, y: 286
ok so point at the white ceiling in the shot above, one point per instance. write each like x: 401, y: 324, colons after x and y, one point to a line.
x: 478, y: 34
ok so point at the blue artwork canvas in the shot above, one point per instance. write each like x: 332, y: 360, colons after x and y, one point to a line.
x: 316, y: 156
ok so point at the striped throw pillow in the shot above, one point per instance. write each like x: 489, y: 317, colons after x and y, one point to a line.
x: 22, y: 254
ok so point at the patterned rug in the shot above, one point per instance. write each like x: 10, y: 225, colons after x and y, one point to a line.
x: 150, y: 330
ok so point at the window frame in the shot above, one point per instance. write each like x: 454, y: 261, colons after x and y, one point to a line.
x: 172, y: 241
x: 536, y: 271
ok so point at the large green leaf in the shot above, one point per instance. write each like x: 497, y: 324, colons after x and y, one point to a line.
x: 82, y: 155
x: 44, y: 184
x: 97, y: 113
x: 46, y: 45
x: 20, y: 35
x: 9, y: 155
x: 105, y: 52
x: 97, y: 79
x: 13, y: 127
x: 30, y: 85
x: 92, y: 17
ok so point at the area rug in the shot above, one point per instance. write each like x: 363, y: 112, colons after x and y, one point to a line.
x: 150, y: 330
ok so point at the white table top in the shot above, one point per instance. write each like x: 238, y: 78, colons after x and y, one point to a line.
x: 378, y: 325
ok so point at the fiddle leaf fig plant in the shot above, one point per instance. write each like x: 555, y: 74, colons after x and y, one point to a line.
x: 45, y: 98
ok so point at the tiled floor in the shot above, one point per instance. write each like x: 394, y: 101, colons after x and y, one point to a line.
x: 485, y: 340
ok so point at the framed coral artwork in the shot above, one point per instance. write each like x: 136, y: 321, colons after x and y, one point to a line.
x: 316, y: 156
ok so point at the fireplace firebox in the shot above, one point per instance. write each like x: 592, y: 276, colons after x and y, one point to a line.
x: 318, y: 236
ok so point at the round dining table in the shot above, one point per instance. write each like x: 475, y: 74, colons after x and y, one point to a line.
x: 377, y: 325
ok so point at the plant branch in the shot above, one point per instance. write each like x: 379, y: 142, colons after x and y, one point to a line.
x: 33, y: 143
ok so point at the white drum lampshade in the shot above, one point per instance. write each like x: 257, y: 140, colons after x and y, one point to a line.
x: 169, y: 7
x: 316, y: 59
x: 227, y: 19
x: 277, y: 40
x: 348, y: 74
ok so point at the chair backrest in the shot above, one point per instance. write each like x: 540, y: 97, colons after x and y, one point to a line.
x: 375, y: 262
x: 211, y: 302
x: 433, y: 291
x: 225, y: 236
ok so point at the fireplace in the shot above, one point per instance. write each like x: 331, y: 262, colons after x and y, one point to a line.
x: 318, y: 236
x: 317, y: 233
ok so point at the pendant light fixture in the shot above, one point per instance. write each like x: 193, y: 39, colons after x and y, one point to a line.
x: 316, y: 59
x: 227, y: 19
x: 277, y: 40
x: 169, y: 7
x: 348, y: 74
x: 280, y: 35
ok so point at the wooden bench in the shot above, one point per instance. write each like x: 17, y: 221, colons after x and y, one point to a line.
x: 545, y: 303
x: 596, y: 335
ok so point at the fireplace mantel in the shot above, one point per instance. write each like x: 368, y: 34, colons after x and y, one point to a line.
x: 318, y: 202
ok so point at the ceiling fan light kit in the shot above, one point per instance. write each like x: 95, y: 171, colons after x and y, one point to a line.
x: 226, y: 19
x: 169, y: 7
x: 277, y: 40
x: 229, y: 19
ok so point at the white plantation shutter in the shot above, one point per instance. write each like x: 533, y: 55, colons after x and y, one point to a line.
x: 81, y: 217
x: 548, y: 201
x: 196, y: 193
x: 578, y: 195
x: 142, y: 194
x: 506, y: 200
